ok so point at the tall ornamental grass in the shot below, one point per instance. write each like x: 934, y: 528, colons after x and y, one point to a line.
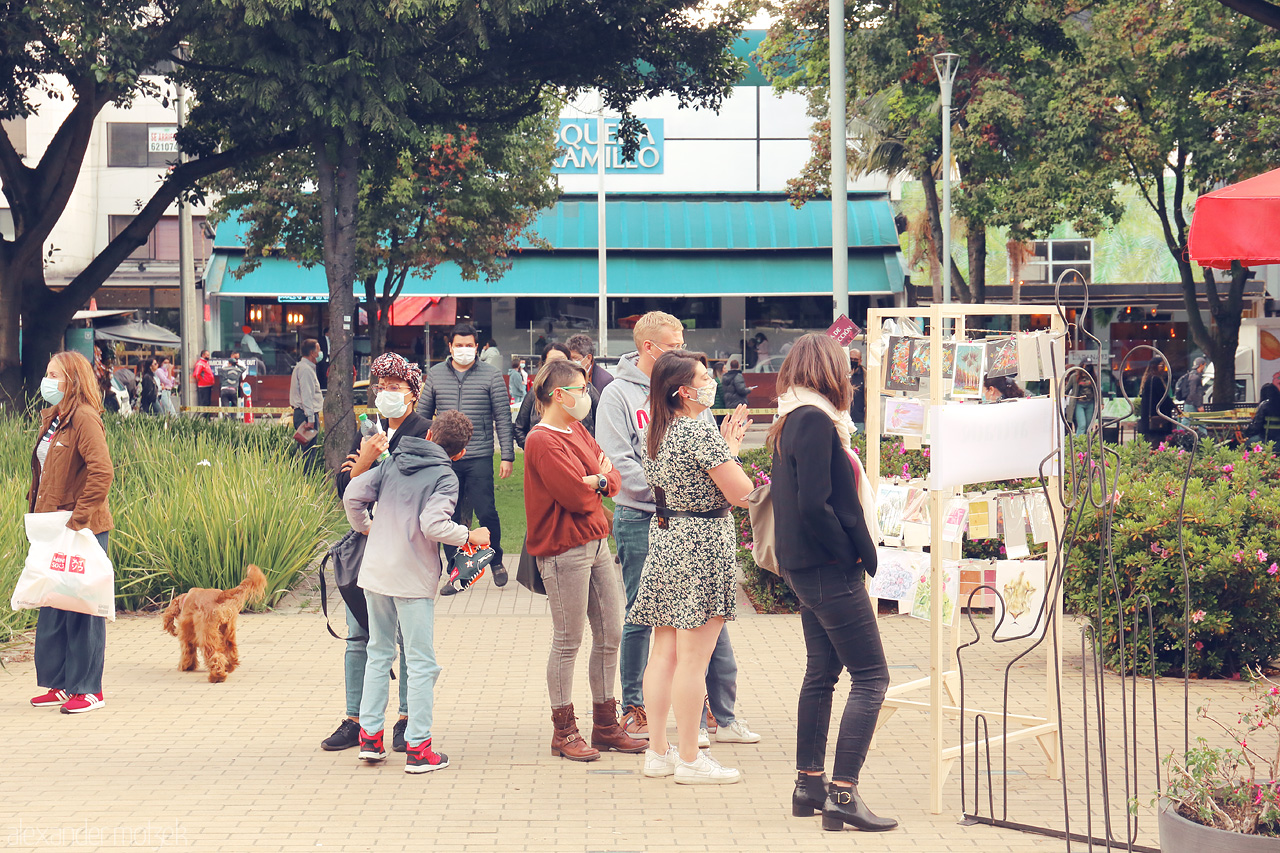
x: 194, y: 503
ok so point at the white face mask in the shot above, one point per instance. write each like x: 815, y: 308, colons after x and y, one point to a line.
x: 579, y: 408
x: 464, y: 355
x: 706, y: 395
x: 391, y: 404
x: 50, y: 390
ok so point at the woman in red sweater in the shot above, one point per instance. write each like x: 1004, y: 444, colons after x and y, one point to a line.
x: 566, y: 478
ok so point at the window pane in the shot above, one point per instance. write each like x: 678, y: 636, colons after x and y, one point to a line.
x: 1084, y: 269
x: 1072, y: 250
x: 118, y: 224
x: 126, y: 144
x: 166, y: 237
x: 1034, y: 273
x: 1040, y: 249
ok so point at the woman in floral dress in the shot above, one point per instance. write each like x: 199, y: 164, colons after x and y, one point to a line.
x: 687, y: 589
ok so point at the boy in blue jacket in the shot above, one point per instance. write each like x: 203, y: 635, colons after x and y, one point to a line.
x: 416, y: 493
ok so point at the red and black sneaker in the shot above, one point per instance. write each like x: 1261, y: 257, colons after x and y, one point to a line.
x: 371, y: 748
x: 51, y: 699
x: 79, y: 703
x: 423, y: 759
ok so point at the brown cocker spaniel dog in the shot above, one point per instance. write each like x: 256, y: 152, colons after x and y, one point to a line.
x: 205, y: 619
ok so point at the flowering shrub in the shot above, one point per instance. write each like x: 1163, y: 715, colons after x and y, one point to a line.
x: 1232, y: 515
x: 1233, y: 788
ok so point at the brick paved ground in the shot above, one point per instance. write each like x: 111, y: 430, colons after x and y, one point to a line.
x: 174, y: 761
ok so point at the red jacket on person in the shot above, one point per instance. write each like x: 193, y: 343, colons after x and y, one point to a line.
x: 203, y: 374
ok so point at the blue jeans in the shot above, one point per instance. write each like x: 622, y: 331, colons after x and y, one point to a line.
x: 1084, y: 416
x: 631, y: 532
x: 354, y: 663
x: 416, y: 619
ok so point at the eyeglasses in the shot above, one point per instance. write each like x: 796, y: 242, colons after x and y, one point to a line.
x: 578, y: 389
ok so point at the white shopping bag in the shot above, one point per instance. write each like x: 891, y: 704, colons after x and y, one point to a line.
x: 65, y: 569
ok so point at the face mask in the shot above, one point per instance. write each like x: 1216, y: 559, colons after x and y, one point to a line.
x: 49, y: 389
x: 464, y: 355
x: 706, y: 395
x: 580, y: 408
x: 391, y: 404
x: 522, y: 365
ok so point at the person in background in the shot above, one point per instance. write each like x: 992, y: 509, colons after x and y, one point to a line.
x: 168, y: 384
x: 71, y: 469
x: 582, y: 349
x: 305, y: 396
x: 476, y: 390
x: 566, y: 479
x: 825, y: 545
x: 717, y: 373
x: 248, y: 343
x: 527, y: 418
x: 126, y: 376
x: 149, y: 400
x: 1081, y: 388
x: 1268, y: 410
x: 624, y: 419
x: 689, y: 585
x: 232, y: 376
x: 763, y: 352
x: 202, y: 376
x: 398, y: 383
x: 1191, y: 386
x: 997, y: 388
x: 517, y: 381
x: 1155, y: 407
x: 735, y: 386
x: 491, y: 356
x: 415, y: 493
x: 858, y: 383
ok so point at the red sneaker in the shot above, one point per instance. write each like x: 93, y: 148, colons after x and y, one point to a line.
x: 48, y: 700
x: 79, y: 703
x: 423, y: 759
x: 371, y: 748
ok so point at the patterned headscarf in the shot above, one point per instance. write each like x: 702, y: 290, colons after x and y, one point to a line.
x: 392, y: 365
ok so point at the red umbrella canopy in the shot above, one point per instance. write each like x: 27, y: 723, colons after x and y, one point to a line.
x: 1238, y: 223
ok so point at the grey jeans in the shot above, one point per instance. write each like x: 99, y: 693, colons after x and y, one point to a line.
x: 583, y: 585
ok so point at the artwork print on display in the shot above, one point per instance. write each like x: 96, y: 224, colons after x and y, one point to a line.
x: 897, y: 371
x: 921, y: 604
x: 895, y: 576
x: 1002, y: 357
x: 890, y: 503
x: 1022, y: 587
x: 968, y: 378
x: 904, y: 416
x: 920, y: 358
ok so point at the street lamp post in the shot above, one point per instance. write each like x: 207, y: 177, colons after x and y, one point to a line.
x: 602, y: 251
x: 946, y: 64
x: 839, y: 165
x: 191, y: 314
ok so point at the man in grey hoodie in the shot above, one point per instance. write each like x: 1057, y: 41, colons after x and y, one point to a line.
x: 400, y: 573
x: 621, y: 421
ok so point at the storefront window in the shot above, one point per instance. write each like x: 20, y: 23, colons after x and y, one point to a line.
x: 697, y: 312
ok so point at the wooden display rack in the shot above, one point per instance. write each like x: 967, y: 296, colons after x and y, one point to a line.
x: 1044, y: 729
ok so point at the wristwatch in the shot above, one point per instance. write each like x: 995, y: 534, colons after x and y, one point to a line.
x: 602, y: 483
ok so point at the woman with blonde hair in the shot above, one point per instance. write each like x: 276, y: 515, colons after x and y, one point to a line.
x: 826, y: 540
x: 71, y: 470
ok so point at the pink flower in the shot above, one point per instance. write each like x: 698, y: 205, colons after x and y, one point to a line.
x: 906, y: 470
x: 1198, y: 616
x: 1228, y: 468
x: 1238, y: 556
x: 1262, y: 556
x: 1253, y: 493
x: 1199, y: 646
x: 1274, y: 569
x: 1257, y: 448
x: 1080, y: 456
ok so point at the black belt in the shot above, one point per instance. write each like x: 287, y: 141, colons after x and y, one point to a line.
x: 663, y: 514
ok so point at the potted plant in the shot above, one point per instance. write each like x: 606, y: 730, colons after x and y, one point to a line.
x: 1228, y: 798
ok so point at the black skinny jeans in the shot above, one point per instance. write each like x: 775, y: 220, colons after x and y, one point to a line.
x: 840, y: 632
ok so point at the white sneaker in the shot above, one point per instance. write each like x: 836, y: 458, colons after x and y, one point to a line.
x: 656, y: 766
x: 704, y: 740
x: 705, y: 770
x: 736, y: 732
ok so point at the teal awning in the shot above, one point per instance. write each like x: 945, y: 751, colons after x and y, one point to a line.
x: 574, y: 274
x: 707, y: 245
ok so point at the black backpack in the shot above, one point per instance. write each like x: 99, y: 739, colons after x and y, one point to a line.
x: 346, y: 555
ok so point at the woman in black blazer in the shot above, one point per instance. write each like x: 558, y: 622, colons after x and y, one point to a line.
x: 824, y: 547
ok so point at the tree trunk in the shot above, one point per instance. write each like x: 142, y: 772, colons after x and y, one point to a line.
x: 373, y: 308
x: 337, y: 167
x: 933, y: 208
x: 976, y: 238
x: 11, y: 394
x: 46, y: 315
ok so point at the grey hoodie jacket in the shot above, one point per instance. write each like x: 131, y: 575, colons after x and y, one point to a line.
x: 416, y: 492
x: 622, y: 419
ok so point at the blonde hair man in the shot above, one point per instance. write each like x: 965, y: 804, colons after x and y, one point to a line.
x: 622, y: 419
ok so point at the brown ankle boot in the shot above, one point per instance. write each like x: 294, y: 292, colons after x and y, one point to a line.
x: 608, y: 733
x: 565, y: 741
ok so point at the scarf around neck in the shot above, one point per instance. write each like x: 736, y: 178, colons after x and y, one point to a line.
x: 798, y: 396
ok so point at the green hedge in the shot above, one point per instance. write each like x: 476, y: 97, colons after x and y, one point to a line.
x: 179, y: 522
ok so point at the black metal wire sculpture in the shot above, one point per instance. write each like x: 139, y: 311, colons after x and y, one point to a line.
x: 1086, y: 482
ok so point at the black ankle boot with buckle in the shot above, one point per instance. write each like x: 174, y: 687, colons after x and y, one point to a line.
x: 843, y: 806
x: 809, y: 796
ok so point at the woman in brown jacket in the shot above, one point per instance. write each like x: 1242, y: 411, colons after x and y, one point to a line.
x: 71, y: 470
